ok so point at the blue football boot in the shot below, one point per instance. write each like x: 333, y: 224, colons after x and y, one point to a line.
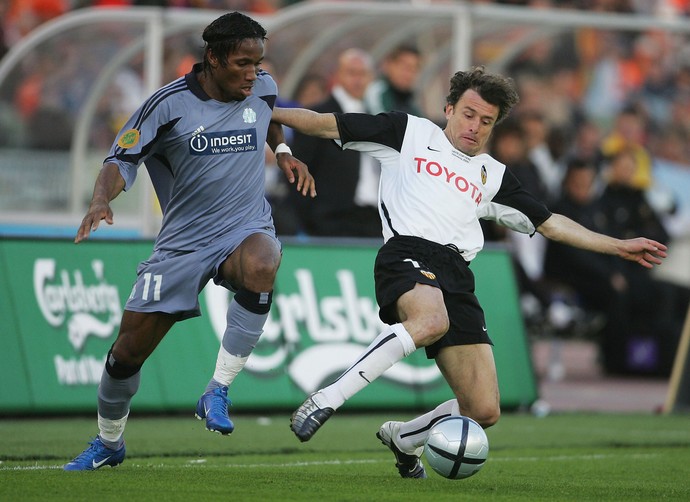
x: 213, y: 406
x: 96, y: 456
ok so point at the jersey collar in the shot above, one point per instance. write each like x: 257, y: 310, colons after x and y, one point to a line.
x: 193, y: 83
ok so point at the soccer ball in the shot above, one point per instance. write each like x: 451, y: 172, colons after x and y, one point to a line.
x: 456, y: 448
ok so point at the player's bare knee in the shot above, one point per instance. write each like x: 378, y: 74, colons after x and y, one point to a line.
x: 487, y: 416
x: 432, y: 327
x: 260, y: 273
x: 127, y: 357
x: 131, y: 347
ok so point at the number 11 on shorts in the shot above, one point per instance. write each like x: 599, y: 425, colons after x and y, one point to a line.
x: 157, y: 280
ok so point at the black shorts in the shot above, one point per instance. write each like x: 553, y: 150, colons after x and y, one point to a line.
x: 404, y: 261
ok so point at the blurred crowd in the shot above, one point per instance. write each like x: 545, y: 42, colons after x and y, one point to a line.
x: 602, y: 133
x: 21, y: 16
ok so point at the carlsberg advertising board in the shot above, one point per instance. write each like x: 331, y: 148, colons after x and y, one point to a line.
x: 62, y: 304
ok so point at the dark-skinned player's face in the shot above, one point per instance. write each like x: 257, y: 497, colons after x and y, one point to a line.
x: 234, y: 81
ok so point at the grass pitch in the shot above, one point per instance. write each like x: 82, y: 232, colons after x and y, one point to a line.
x: 559, y: 457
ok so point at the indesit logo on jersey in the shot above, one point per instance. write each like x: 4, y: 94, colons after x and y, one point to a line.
x: 218, y: 143
x: 433, y: 168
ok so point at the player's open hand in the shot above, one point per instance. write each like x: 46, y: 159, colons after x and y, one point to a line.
x: 646, y: 252
x: 97, y: 211
x: 295, y: 168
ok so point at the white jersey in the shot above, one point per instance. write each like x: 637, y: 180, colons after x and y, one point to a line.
x: 431, y: 190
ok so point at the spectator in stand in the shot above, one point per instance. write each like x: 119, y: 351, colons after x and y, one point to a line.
x: 394, y: 89
x: 680, y: 105
x: 656, y: 92
x: 509, y: 146
x: 581, y: 279
x: 671, y: 155
x: 348, y: 181
x: 536, y: 131
x: 311, y: 90
x: 653, y: 304
x: 585, y: 145
x: 603, y: 96
x: 629, y: 134
x: 625, y: 203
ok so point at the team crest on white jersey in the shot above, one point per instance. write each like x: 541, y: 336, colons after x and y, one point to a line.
x: 483, y: 173
x: 249, y: 115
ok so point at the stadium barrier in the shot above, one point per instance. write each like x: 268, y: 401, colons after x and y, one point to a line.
x: 62, y: 305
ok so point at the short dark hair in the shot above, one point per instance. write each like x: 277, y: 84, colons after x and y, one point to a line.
x: 495, y: 89
x: 402, y: 49
x: 224, y: 35
x: 578, y: 163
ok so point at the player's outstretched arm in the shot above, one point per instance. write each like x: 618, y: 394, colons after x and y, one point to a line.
x: 108, y: 185
x: 311, y: 123
x: 644, y: 251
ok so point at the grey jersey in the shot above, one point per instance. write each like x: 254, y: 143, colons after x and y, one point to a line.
x: 205, y: 159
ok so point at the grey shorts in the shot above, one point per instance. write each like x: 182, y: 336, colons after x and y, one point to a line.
x: 171, y: 281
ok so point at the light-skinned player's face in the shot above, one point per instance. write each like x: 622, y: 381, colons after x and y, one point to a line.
x: 470, y: 122
x: 234, y: 81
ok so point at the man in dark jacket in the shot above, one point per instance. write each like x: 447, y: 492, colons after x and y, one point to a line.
x: 346, y: 205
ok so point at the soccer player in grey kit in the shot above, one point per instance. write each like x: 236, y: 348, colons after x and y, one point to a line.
x: 202, y: 138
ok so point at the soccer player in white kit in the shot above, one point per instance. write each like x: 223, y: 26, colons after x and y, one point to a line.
x: 202, y: 139
x: 435, y: 186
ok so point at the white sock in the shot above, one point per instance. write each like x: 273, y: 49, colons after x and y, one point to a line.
x: 388, y: 348
x: 111, y: 430
x: 227, y: 367
x: 412, y: 434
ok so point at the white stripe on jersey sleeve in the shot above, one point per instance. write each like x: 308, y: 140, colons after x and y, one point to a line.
x: 507, y: 216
